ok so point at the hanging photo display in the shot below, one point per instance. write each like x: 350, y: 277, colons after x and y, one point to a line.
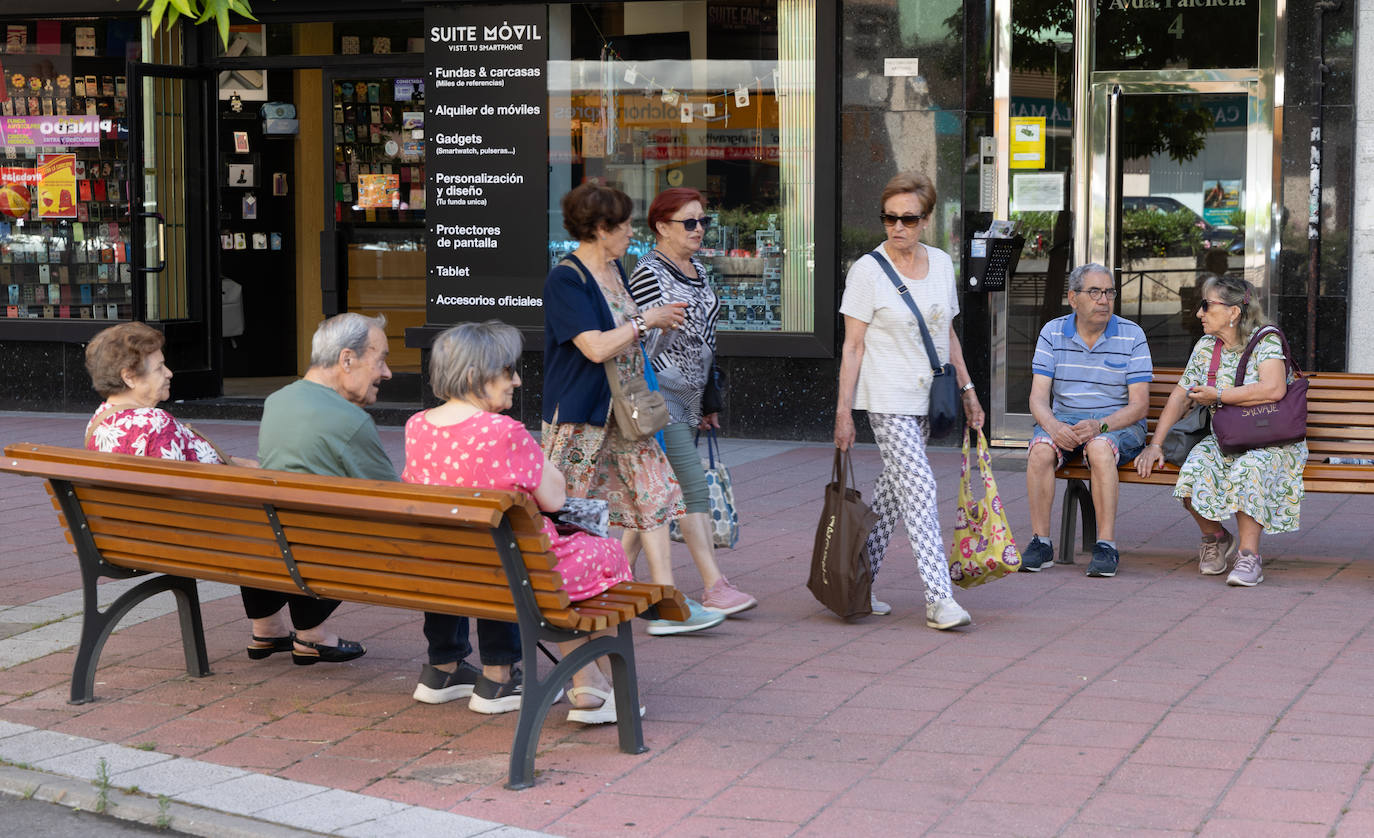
x: 486, y: 156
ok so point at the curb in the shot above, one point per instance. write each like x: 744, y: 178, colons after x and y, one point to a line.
x: 19, y: 781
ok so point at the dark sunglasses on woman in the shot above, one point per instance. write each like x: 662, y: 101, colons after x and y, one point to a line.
x: 890, y: 220
x: 690, y: 224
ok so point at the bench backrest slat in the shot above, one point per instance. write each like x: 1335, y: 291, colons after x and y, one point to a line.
x: 419, y: 547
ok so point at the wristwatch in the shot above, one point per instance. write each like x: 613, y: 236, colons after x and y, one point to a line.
x: 966, y: 387
x: 1103, y: 428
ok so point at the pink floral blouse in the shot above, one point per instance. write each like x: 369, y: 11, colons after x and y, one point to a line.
x: 492, y: 451
x: 147, y: 432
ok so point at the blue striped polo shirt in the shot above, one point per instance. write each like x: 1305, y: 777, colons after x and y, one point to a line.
x: 1092, y: 381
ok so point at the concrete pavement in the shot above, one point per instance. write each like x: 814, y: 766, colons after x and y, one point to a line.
x: 1159, y: 702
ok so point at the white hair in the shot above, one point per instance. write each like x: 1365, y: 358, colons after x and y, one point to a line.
x: 342, y: 331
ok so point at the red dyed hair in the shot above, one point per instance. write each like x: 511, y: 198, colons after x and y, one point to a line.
x: 670, y: 201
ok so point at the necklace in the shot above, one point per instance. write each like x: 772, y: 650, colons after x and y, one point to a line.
x: 688, y: 270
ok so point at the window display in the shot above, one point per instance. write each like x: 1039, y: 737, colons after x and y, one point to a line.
x: 715, y: 97
x: 64, y: 211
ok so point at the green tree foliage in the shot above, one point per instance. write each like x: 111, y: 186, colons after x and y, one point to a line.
x: 199, y: 11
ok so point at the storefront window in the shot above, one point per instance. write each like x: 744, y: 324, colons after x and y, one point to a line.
x: 344, y: 37
x: 714, y: 96
x: 64, y: 210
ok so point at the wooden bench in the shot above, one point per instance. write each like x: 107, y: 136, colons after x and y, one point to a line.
x: 1340, y: 423
x: 455, y: 551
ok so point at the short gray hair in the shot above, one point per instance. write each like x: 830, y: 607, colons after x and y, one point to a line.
x: 342, y: 331
x: 467, y: 357
x: 1076, y: 276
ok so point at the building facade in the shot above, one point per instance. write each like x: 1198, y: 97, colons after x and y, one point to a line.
x: 408, y: 160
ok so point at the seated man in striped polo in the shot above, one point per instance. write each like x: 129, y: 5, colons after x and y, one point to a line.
x: 1089, y: 394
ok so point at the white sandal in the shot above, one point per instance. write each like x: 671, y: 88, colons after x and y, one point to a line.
x: 604, y: 714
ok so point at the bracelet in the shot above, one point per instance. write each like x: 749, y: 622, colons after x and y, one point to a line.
x: 1155, y: 445
x: 640, y: 326
x: 966, y: 387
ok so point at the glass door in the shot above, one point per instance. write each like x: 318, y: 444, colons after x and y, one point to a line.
x: 1179, y: 193
x: 170, y: 197
x: 376, y: 175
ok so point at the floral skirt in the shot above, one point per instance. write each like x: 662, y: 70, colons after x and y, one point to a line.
x: 632, y: 476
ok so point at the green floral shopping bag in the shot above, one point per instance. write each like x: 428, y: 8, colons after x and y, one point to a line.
x: 983, y: 546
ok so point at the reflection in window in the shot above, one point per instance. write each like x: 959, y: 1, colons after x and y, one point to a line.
x: 715, y: 97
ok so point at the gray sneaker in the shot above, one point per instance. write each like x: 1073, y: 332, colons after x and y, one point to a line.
x: 1213, y: 557
x: 877, y: 606
x: 699, y: 619
x: 1248, y: 572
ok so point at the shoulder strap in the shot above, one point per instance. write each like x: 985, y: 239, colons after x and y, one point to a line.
x: 576, y: 264
x: 897, y: 283
x: 1289, y: 365
x: 1216, y: 362
x: 219, y: 452
x: 95, y: 423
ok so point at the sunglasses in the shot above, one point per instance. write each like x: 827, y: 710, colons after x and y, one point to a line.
x: 690, y: 224
x: 1206, y: 303
x: 890, y: 220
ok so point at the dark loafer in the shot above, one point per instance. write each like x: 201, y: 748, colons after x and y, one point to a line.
x: 347, y: 650
x: 265, y: 646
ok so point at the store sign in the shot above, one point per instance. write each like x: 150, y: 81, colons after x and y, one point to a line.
x: 53, y: 131
x: 486, y: 162
x: 1176, y: 34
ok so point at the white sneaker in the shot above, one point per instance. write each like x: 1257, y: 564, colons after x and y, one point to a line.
x: 946, y: 614
x: 880, y: 608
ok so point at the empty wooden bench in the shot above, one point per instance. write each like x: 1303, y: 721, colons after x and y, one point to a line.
x: 1340, y: 423
x: 467, y: 552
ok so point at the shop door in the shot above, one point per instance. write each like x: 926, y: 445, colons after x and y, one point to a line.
x: 1179, y: 192
x: 171, y: 196
x: 374, y: 237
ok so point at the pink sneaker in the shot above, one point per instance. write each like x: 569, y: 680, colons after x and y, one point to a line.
x: 724, y: 598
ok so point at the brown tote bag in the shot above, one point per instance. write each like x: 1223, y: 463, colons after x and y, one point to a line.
x: 840, y: 575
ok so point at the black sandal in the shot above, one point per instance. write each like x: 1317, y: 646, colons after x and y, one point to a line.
x: 273, y: 645
x: 347, y: 650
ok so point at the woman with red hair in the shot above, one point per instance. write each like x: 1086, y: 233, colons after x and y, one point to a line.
x: 682, y: 360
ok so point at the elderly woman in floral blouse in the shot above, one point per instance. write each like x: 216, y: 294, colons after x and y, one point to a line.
x: 129, y: 372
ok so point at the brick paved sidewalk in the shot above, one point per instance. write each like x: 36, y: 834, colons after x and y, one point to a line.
x: 1159, y: 702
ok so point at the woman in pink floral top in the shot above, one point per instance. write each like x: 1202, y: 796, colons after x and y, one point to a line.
x: 129, y: 372
x: 466, y: 442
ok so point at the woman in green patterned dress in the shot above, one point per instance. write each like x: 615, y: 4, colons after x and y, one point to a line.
x: 1261, y: 487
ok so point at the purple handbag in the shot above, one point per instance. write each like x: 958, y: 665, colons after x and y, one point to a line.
x: 1243, y: 428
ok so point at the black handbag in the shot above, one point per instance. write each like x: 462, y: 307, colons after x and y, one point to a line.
x: 1187, y: 432
x: 1196, y: 424
x: 713, y: 399
x: 944, y: 387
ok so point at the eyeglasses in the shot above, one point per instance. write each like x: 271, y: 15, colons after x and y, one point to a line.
x: 890, y: 220
x: 690, y: 224
x: 1206, y: 303
x: 1098, y: 293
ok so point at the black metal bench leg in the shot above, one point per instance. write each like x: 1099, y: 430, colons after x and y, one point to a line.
x: 1078, y: 500
x: 625, y: 681
x: 97, y: 625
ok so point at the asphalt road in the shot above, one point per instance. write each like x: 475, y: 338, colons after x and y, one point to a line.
x: 38, y: 819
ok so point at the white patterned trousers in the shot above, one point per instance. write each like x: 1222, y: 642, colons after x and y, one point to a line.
x: 906, y: 487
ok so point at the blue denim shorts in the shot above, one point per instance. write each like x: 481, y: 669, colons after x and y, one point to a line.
x: 1127, y: 442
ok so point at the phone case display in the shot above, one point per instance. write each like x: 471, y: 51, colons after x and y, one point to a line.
x: 748, y: 282
x: 64, y: 210
x: 379, y: 151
